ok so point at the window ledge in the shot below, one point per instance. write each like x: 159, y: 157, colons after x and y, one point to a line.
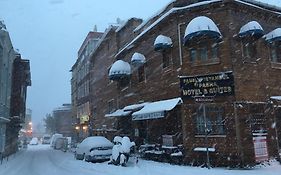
x: 205, y: 63
x: 275, y: 65
x: 215, y: 136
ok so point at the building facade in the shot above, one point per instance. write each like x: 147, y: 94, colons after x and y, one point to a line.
x: 63, y: 120
x: 80, y: 86
x: 14, y: 79
x: 199, y: 75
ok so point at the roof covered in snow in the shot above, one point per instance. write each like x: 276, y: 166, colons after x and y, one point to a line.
x: 120, y: 67
x: 273, y: 35
x: 156, y: 109
x: 201, y: 25
x: 251, y: 28
x: 138, y: 58
x: 276, y: 98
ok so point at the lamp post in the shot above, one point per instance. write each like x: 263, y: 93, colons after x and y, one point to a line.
x: 207, y: 132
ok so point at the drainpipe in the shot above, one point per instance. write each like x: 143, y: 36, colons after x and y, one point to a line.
x: 238, y: 135
x: 179, y: 38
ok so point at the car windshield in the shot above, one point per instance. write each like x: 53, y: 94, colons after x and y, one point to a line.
x: 140, y: 87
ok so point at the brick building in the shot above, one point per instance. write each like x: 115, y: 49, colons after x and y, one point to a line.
x: 201, y: 74
x: 80, y: 87
x: 63, y: 120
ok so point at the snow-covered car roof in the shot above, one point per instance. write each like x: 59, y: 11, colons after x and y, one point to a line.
x: 96, y: 141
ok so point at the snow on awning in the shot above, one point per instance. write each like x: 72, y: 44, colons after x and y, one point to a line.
x: 134, y: 107
x: 4, y: 120
x: 204, y: 149
x: 274, y: 35
x: 126, y: 110
x: 201, y: 26
x: 162, y: 42
x: 276, y: 98
x: 138, y: 59
x: 119, y: 69
x: 118, y: 113
x: 252, y: 28
x: 156, y: 110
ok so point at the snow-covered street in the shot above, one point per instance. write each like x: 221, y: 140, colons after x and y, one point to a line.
x: 42, y: 160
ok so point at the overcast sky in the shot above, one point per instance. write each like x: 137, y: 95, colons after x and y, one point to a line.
x: 50, y: 32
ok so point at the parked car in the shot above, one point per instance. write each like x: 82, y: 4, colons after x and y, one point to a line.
x: 93, y: 149
x: 46, y: 139
x: 54, y: 139
x: 34, y: 141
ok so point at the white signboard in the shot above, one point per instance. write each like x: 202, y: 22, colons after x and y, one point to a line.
x: 260, y: 146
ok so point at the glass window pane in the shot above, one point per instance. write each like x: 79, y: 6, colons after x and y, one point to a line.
x: 193, y: 55
x: 203, y: 54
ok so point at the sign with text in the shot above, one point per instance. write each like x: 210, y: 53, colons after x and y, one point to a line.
x: 212, y: 85
x: 260, y: 146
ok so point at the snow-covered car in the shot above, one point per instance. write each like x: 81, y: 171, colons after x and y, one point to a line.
x: 95, y: 148
x: 46, y: 139
x: 34, y: 141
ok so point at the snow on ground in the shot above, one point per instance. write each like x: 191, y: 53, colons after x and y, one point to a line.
x: 42, y: 160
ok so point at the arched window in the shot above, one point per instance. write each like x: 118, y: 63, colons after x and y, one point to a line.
x: 249, y: 35
x: 274, y: 40
x: 202, y: 38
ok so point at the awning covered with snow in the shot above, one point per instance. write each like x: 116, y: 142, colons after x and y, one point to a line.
x: 274, y: 35
x: 4, y: 120
x: 156, y: 109
x: 138, y: 59
x: 276, y: 98
x: 201, y: 26
x: 118, y: 113
x: 162, y: 42
x: 126, y: 111
x: 252, y: 28
x: 119, y: 69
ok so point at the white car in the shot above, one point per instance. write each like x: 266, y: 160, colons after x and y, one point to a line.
x: 93, y: 149
x: 46, y: 139
x: 54, y: 139
x: 34, y: 141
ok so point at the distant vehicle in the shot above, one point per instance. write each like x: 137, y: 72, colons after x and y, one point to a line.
x: 61, y: 143
x: 93, y: 149
x: 54, y: 139
x: 46, y: 139
x: 34, y: 141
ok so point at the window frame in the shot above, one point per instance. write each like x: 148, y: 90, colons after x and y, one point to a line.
x: 215, y: 116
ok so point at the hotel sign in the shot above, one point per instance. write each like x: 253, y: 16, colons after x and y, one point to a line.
x: 212, y: 85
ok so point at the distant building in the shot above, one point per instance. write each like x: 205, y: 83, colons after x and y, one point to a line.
x: 28, y: 121
x: 80, y: 85
x: 63, y: 120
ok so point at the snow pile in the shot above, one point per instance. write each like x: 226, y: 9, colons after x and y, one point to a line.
x: 251, y: 28
x: 201, y: 25
x: 273, y: 35
x: 120, y: 68
x: 162, y: 42
x: 138, y: 58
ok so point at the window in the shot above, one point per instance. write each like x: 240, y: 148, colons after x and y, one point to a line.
x: 111, y: 107
x: 275, y: 52
x: 166, y: 58
x: 250, y: 50
x: 214, y: 120
x: 141, y: 73
x: 204, y: 53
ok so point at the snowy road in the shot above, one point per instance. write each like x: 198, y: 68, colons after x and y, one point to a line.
x: 42, y: 160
